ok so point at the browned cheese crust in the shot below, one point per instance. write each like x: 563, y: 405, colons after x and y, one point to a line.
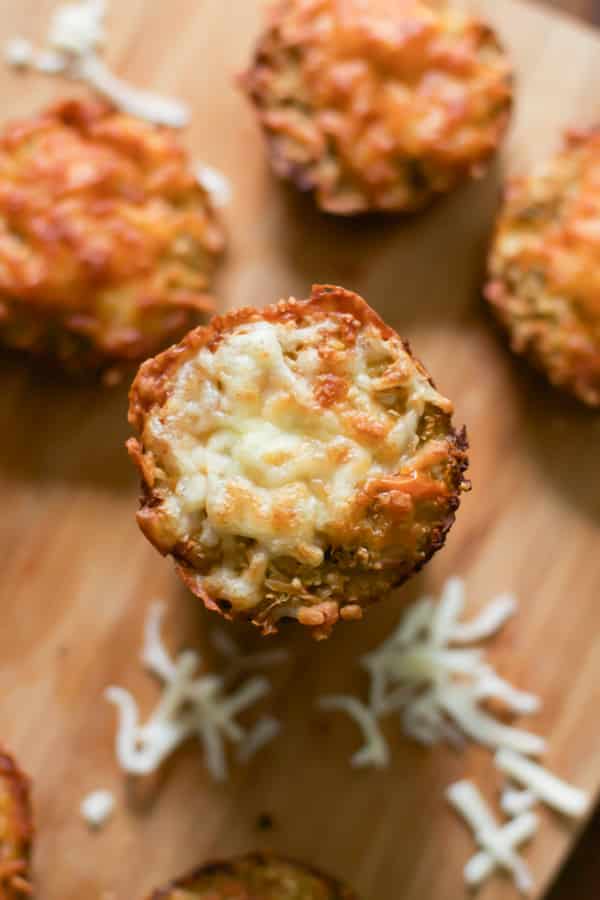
x: 379, y: 105
x: 16, y: 830
x: 107, y: 242
x: 258, y: 876
x: 296, y: 461
x: 544, y: 270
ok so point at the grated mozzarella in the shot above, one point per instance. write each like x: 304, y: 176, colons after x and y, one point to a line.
x: 515, y: 833
x: 437, y: 687
x: 515, y: 803
x: 547, y: 787
x: 97, y: 807
x: 75, y: 35
x: 190, y: 705
x: 466, y: 799
x: 240, y: 662
x: 18, y: 53
x: 214, y: 183
x: 375, y: 751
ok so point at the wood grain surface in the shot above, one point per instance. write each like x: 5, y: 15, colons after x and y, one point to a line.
x: 580, y: 877
x: 78, y: 578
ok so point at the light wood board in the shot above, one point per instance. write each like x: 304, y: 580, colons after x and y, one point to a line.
x: 77, y: 577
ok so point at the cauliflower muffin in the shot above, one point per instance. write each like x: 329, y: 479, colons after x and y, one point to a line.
x: 107, y: 241
x: 16, y: 830
x: 378, y: 104
x: 544, y: 268
x: 258, y: 876
x: 297, y: 461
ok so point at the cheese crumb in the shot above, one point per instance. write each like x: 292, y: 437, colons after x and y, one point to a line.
x: 18, y: 53
x: 97, y: 808
x: 191, y: 705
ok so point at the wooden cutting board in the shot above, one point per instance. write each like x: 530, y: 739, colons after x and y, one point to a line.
x: 77, y: 577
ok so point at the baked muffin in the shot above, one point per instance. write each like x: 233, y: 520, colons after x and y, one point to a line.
x: 107, y: 241
x: 544, y: 269
x: 16, y: 830
x: 297, y: 461
x: 378, y: 104
x: 258, y: 876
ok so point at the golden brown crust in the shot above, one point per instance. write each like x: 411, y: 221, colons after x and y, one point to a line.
x: 256, y: 876
x: 380, y: 107
x: 16, y: 830
x: 107, y: 242
x: 544, y: 268
x: 393, y: 523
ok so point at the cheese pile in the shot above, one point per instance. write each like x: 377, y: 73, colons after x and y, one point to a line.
x: 428, y: 674
x: 191, y: 705
x: 75, y: 36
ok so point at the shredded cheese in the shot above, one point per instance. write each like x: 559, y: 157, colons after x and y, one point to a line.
x: 97, y: 808
x: 215, y: 183
x: 515, y: 803
x: 190, y: 705
x: 75, y: 35
x: 438, y: 689
x: 481, y: 866
x: 18, y: 53
x: 239, y: 662
x: 375, y: 751
x: 543, y: 784
x: 468, y: 801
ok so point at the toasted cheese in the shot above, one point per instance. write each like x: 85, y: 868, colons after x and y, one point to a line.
x: 261, y: 441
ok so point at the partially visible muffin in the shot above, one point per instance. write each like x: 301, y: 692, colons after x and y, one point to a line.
x: 544, y: 268
x: 258, y: 876
x: 107, y: 241
x: 16, y: 830
x: 378, y: 104
x: 297, y: 461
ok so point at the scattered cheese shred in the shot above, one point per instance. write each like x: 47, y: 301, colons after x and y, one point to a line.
x: 19, y: 53
x: 499, y: 851
x: 97, y: 808
x: 515, y: 803
x: 424, y: 673
x: 239, y: 661
x: 375, y: 751
x: 543, y: 784
x: 190, y: 705
x: 215, y: 183
x: 481, y: 866
x: 436, y: 687
x: 75, y: 35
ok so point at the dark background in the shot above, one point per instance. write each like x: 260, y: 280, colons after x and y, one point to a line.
x: 581, y: 877
x: 589, y: 10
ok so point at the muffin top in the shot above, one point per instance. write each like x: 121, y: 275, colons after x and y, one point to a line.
x: 107, y: 241
x: 257, y: 876
x: 545, y: 266
x: 296, y: 459
x: 378, y: 104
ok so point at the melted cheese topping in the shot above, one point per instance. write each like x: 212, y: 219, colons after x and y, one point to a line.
x: 263, y: 441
